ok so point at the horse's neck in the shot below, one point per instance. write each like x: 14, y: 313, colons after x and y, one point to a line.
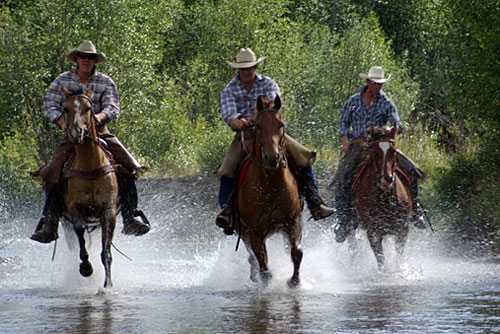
x: 89, y: 156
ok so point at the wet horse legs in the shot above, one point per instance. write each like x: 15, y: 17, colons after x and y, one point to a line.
x: 85, y: 267
x: 375, y: 240
x: 294, y: 239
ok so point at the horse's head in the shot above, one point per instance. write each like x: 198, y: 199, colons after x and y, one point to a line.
x: 382, y: 148
x: 78, y: 115
x: 269, y: 132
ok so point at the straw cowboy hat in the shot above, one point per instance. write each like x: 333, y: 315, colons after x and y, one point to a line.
x: 86, y: 47
x: 376, y: 74
x: 245, y: 59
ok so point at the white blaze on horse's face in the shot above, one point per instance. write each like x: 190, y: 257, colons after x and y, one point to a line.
x: 76, y: 132
x: 385, y: 179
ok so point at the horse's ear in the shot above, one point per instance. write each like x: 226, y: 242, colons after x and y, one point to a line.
x: 65, y: 92
x: 260, y: 103
x: 277, y: 103
x: 90, y: 92
x: 394, y: 131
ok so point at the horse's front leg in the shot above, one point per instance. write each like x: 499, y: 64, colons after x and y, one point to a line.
x: 258, y: 247
x: 295, y: 239
x: 375, y: 240
x: 85, y: 266
x: 107, y: 228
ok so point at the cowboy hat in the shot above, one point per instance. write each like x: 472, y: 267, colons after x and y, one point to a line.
x: 245, y: 59
x: 86, y: 47
x: 376, y: 74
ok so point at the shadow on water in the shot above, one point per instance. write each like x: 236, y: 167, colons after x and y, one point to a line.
x: 185, y: 277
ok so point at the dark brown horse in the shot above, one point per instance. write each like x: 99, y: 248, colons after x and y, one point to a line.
x: 381, y: 198
x: 268, y: 199
x: 91, y: 194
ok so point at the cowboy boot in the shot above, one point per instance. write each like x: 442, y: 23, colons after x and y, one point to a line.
x: 128, y: 201
x: 307, y: 187
x: 46, y: 229
x: 227, y: 196
x: 344, y: 216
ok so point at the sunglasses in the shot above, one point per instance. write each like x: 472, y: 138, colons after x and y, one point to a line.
x: 87, y: 56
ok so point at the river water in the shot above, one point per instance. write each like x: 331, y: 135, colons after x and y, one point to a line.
x: 186, y: 277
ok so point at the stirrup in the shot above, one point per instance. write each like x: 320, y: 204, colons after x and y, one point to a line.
x: 224, y: 220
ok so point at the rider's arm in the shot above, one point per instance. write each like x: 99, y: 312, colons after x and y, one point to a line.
x: 53, y: 100
x: 110, y: 104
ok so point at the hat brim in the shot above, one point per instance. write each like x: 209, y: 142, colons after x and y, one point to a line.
x: 365, y: 76
x: 71, y: 56
x: 246, y: 64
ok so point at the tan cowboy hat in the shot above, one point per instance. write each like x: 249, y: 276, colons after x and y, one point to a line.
x: 376, y: 74
x: 245, y: 59
x: 86, y: 47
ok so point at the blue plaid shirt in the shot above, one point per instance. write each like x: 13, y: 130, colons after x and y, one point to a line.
x: 105, y: 98
x: 237, y: 102
x: 356, y: 117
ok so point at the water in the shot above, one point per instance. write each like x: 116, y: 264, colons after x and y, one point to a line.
x: 185, y: 277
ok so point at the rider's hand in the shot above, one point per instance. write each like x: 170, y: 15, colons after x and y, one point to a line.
x: 101, y: 117
x: 344, y: 144
x: 238, y: 123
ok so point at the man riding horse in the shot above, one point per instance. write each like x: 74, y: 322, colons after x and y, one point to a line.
x: 238, y: 108
x: 106, y: 107
x: 369, y: 106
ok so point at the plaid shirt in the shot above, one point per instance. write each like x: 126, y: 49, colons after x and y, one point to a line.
x: 237, y: 102
x: 105, y: 98
x: 356, y: 118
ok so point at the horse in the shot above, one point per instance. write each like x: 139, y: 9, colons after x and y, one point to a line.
x: 268, y: 199
x: 91, y: 186
x: 380, y: 195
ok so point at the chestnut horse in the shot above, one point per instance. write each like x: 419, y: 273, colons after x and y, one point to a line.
x: 268, y: 199
x: 381, y: 198
x: 91, y: 187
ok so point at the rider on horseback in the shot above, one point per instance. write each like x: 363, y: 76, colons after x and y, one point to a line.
x: 370, y: 106
x: 238, y: 107
x: 106, y: 107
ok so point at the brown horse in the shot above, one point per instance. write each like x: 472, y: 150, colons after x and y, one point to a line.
x: 91, y: 193
x: 268, y: 200
x: 382, y: 200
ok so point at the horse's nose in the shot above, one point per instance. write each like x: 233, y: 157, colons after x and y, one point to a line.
x: 385, y: 181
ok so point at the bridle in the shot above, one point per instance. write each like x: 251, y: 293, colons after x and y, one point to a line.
x: 92, y: 114
x: 253, y: 126
x: 384, y: 143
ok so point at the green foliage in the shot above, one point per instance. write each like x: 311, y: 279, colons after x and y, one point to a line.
x: 167, y: 58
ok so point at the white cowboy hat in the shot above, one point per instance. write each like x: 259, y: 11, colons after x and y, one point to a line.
x: 86, y: 47
x: 376, y: 74
x: 245, y: 59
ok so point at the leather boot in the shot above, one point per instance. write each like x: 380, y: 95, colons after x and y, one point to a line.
x: 46, y: 229
x: 227, y: 196
x: 307, y: 187
x: 128, y: 202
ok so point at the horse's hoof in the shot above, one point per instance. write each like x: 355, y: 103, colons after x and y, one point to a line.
x: 229, y: 230
x: 86, y: 269
x: 293, y: 283
x: 341, y: 232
